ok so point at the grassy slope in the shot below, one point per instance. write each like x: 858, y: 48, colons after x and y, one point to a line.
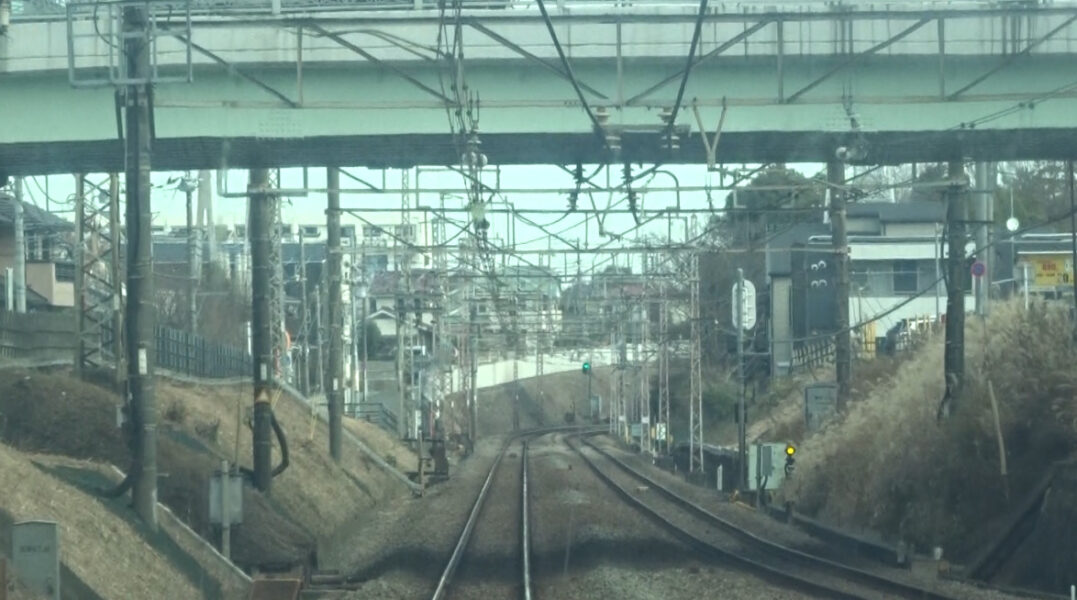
x: 892, y: 466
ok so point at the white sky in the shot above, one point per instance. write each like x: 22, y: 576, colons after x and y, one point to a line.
x: 170, y: 209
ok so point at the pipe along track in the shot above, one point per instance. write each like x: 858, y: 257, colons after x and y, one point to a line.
x: 724, y: 540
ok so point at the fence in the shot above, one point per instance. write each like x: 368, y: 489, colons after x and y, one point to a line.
x: 376, y: 413
x: 50, y: 336
x: 907, y: 335
x: 193, y: 355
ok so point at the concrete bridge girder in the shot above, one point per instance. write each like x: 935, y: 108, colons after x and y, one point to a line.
x: 342, y: 105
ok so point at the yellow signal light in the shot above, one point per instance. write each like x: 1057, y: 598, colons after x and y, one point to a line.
x: 790, y: 450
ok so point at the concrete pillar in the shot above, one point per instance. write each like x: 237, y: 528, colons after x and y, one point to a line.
x: 336, y: 314
x: 141, y: 308
x: 262, y: 208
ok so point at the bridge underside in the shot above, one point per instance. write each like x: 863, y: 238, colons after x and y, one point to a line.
x: 180, y: 154
x: 897, y: 108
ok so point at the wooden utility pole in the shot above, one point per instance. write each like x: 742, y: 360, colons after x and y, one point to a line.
x: 141, y: 309
x: 843, y: 360
x: 956, y: 273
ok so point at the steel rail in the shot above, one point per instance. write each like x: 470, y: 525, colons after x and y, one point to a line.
x: 445, y: 581
x: 798, y: 583
x: 840, y: 570
x: 525, y: 526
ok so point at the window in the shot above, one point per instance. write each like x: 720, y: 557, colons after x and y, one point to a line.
x: 371, y: 231
x: 861, y: 279
x: 405, y: 232
x: 905, y: 279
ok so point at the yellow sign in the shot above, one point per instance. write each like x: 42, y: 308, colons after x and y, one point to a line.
x: 1050, y: 270
x: 261, y: 397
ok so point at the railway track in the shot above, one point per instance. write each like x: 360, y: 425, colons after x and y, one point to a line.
x: 447, y: 586
x: 730, y: 542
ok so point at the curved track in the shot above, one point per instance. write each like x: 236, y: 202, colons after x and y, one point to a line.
x: 721, y: 538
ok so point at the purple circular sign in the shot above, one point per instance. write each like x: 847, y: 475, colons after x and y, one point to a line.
x: 978, y: 269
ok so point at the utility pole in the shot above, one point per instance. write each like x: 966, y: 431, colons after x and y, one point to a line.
x: 1073, y: 232
x: 192, y: 256
x: 663, y: 366
x: 473, y: 366
x: 116, y: 275
x: 984, y: 216
x: 336, y: 315
x: 303, y: 365
x: 262, y: 206
x: 319, y: 366
x: 835, y: 172
x: 20, y: 250
x: 742, y: 411
x: 954, y: 358
x: 141, y: 308
x: 401, y: 322
x: 695, y: 368
x: 205, y: 211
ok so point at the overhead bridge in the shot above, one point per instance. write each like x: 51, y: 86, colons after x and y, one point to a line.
x: 290, y: 83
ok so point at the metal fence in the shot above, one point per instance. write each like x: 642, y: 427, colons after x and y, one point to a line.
x: 193, y: 355
x: 376, y: 413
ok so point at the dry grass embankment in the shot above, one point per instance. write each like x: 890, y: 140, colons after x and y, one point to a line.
x: 312, y: 501
x: 892, y: 466
x: 103, y: 550
x: 321, y: 497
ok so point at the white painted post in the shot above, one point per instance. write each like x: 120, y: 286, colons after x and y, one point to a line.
x: 226, y: 528
x: 1024, y: 276
x: 20, y: 251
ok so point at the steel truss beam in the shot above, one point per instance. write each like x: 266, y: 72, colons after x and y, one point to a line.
x: 857, y: 57
x: 522, y: 52
x: 733, y: 41
x: 1009, y: 60
x: 225, y: 63
x: 370, y: 57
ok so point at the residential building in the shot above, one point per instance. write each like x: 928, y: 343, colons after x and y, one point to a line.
x: 897, y: 261
x: 50, y: 266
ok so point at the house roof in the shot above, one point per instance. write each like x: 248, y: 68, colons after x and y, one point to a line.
x: 35, y: 219
x: 386, y: 283
x: 899, y: 212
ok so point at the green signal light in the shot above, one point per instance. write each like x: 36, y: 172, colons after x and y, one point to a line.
x: 586, y: 367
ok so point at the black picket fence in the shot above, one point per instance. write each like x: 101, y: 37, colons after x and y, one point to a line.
x: 194, y: 356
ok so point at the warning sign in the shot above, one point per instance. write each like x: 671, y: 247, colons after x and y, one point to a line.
x: 1050, y: 270
x: 261, y: 396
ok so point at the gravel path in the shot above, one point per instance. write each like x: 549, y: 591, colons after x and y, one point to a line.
x: 589, y: 544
